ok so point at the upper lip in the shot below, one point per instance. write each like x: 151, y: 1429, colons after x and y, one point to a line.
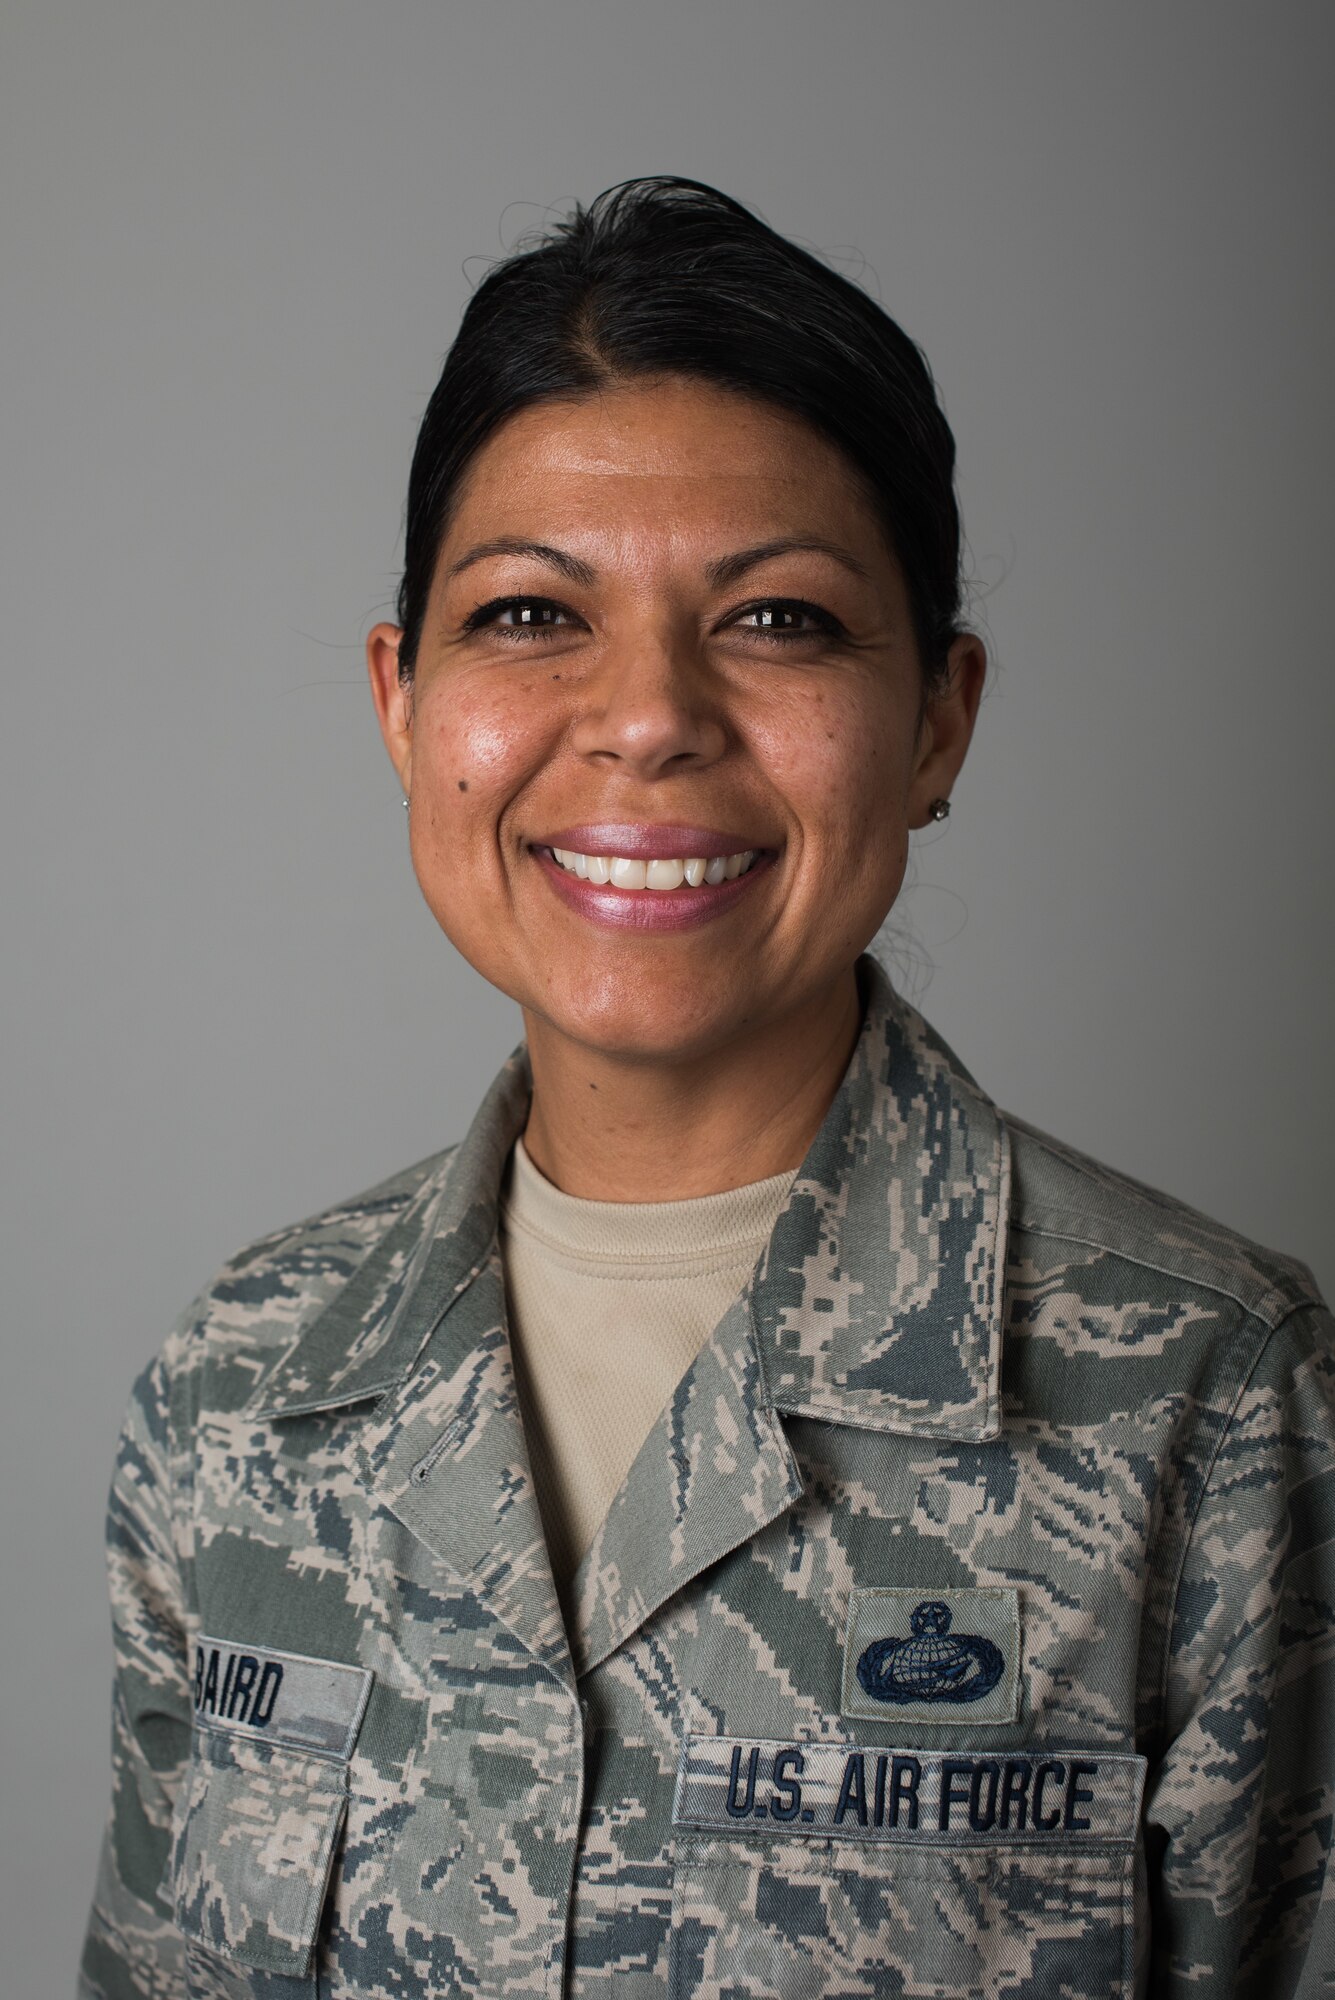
x: 648, y: 843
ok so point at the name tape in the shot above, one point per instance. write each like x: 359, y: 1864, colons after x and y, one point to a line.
x: 737, y: 1785
x: 279, y: 1697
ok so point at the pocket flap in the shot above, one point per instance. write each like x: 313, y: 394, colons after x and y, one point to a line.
x: 253, y: 1849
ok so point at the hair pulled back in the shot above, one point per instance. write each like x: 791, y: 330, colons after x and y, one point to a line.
x: 661, y: 275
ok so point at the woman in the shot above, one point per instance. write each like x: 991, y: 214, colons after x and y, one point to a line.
x: 752, y: 1519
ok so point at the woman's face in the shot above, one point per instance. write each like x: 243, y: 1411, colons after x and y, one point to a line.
x: 665, y: 628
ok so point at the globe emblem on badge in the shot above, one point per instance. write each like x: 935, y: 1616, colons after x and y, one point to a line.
x: 936, y: 1664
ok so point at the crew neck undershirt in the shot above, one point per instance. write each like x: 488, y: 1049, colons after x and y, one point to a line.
x: 609, y: 1304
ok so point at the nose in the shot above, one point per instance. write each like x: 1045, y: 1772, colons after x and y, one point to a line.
x: 652, y: 709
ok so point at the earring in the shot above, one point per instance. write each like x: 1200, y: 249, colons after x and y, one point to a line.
x: 406, y: 804
x: 939, y: 808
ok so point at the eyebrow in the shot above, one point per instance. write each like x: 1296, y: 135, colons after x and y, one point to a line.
x: 719, y: 573
x: 515, y: 545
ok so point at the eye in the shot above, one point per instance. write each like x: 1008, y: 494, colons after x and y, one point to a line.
x: 778, y: 619
x: 534, y: 618
x: 522, y: 619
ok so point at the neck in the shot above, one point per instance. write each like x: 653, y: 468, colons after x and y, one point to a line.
x: 606, y: 1128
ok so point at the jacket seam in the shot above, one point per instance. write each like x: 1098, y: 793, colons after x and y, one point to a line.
x: 178, y: 1381
x: 1254, y: 1310
x: 180, y: 1478
x: 1225, y: 1428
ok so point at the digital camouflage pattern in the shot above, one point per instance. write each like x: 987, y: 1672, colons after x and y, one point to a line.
x: 969, y: 1360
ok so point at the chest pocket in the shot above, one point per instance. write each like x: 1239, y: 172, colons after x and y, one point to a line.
x: 250, y: 1864
x: 856, y: 1906
x: 797, y: 1920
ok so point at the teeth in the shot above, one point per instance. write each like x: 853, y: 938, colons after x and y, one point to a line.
x: 667, y: 873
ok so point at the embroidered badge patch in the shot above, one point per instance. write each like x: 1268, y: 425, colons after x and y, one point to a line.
x: 908, y: 1798
x: 287, y: 1698
x: 933, y: 1656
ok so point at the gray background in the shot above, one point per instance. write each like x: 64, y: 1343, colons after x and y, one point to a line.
x: 236, y: 241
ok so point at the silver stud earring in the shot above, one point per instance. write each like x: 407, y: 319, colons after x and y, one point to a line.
x: 405, y: 805
x: 939, y: 808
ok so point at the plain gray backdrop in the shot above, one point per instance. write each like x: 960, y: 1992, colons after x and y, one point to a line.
x: 236, y: 243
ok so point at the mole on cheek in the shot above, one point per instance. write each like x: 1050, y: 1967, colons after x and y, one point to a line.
x: 463, y: 784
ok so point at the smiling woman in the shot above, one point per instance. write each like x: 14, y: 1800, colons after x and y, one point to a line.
x: 665, y: 632
x: 753, y: 1519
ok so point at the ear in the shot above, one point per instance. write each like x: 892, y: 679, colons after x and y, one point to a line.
x: 947, y: 727
x: 393, y: 701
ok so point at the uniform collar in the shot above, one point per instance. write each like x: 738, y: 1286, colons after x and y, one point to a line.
x: 876, y: 1303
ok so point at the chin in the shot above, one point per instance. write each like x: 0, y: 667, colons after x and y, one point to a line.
x: 640, y: 1022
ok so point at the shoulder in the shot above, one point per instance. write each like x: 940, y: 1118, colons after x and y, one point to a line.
x: 262, y: 1297
x: 1089, y: 1212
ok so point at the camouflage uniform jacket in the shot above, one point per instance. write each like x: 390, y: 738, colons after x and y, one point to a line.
x: 964, y: 1626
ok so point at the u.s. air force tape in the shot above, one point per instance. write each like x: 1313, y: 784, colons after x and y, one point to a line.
x: 741, y: 1786
x: 279, y: 1697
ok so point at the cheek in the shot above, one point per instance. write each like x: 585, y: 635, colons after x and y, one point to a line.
x: 475, y: 745
x: 842, y: 759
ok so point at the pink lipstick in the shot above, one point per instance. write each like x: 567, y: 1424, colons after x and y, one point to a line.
x: 650, y: 877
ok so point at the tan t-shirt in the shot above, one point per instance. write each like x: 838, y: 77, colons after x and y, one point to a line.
x: 609, y: 1304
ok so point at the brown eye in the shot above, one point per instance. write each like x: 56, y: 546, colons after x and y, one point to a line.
x: 534, y: 617
x: 780, y: 618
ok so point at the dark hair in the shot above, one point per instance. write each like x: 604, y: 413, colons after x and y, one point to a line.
x: 667, y: 276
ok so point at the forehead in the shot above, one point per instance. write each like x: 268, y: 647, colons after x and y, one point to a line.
x: 670, y: 458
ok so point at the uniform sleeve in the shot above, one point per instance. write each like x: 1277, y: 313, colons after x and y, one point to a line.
x: 131, y: 1946
x: 1240, y: 1806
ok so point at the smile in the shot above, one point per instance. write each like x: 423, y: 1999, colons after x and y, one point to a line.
x: 637, y: 877
x: 654, y: 872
